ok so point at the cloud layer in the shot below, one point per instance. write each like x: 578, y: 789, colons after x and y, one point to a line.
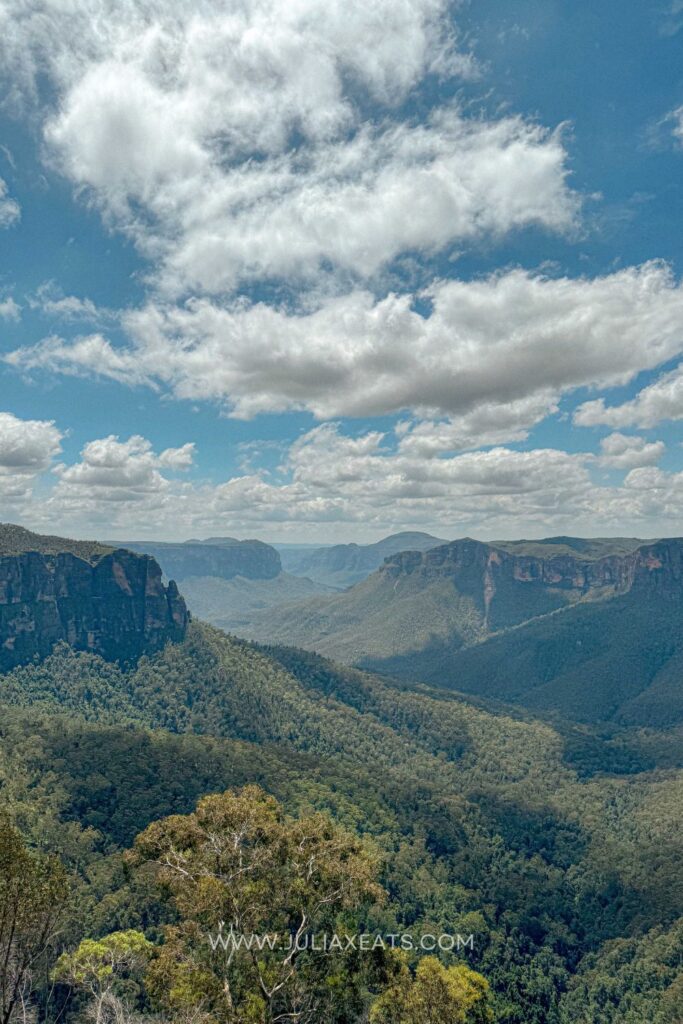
x: 281, y: 165
x: 329, y: 480
x: 265, y: 141
x: 508, y: 346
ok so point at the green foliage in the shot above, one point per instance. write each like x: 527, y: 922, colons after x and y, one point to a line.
x: 240, y: 869
x: 95, y: 964
x: 16, y: 540
x: 629, y: 981
x: 436, y: 995
x: 33, y: 891
x: 485, y: 823
x: 618, y: 660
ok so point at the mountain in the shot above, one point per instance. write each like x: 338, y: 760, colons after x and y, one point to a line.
x: 109, y: 601
x: 590, y: 629
x: 223, y: 557
x: 342, y: 565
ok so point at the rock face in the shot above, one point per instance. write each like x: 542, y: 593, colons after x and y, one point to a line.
x: 511, y: 586
x: 111, y: 602
x: 461, y: 593
x: 222, y: 557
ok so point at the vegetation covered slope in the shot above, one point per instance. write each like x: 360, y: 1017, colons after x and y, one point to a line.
x: 592, y: 630
x: 232, y: 604
x: 618, y: 660
x: 16, y: 540
x: 485, y: 824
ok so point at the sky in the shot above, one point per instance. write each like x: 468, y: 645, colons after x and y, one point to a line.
x: 321, y: 270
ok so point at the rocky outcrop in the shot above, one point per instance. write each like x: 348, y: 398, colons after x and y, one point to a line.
x: 109, y: 601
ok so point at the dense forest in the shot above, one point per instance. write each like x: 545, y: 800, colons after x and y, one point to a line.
x: 555, y: 845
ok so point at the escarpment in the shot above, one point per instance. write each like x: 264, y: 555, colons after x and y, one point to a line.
x: 112, y: 602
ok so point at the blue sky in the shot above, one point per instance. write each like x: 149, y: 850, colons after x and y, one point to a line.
x: 319, y: 271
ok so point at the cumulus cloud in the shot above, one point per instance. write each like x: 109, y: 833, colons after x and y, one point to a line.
x: 661, y: 400
x: 10, y: 211
x: 371, y: 483
x: 111, y: 470
x: 27, y: 447
x: 52, y: 303
x: 83, y: 355
x: 178, y: 458
x: 238, y: 145
x: 487, y: 424
x: 507, y: 345
x: 621, y: 451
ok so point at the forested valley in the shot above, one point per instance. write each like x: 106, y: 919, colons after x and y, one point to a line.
x: 556, y: 846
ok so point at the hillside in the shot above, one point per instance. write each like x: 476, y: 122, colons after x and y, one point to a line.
x: 233, y: 604
x: 485, y: 824
x: 17, y: 540
x: 592, y: 630
x: 112, y: 602
x: 619, y: 660
x: 342, y: 565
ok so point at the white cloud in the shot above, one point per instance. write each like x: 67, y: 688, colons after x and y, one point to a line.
x: 676, y: 116
x: 367, y: 485
x: 661, y: 400
x: 358, y: 204
x: 27, y: 445
x: 111, y: 470
x: 52, y: 303
x: 27, y: 448
x: 487, y: 424
x: 10, y: 211
x: 9, y: 309
x: 239, y: 145
x: 507, y: 345
x: 621, y: 451
x: 255, y: 71
x: 86, y: 354
x: 178, y: 458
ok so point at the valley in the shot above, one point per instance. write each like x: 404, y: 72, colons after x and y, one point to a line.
x: 554, y: 842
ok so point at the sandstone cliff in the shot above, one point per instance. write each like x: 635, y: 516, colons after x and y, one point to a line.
x: 109, y: 601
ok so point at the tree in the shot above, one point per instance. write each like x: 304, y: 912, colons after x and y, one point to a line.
x: 97, y: 963
x: 33, y: 890
x: 261, y: 884
x: 436, y: 995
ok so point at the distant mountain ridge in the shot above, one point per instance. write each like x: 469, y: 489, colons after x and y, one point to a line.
x: 343, y: 565
x: 500, y: 620
x: 223, y: 557
x: 97, y: 598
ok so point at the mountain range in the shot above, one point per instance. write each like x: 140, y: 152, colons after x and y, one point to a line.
x: 233, y: 583
x: 222, y: 557
x: 592, y: 629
